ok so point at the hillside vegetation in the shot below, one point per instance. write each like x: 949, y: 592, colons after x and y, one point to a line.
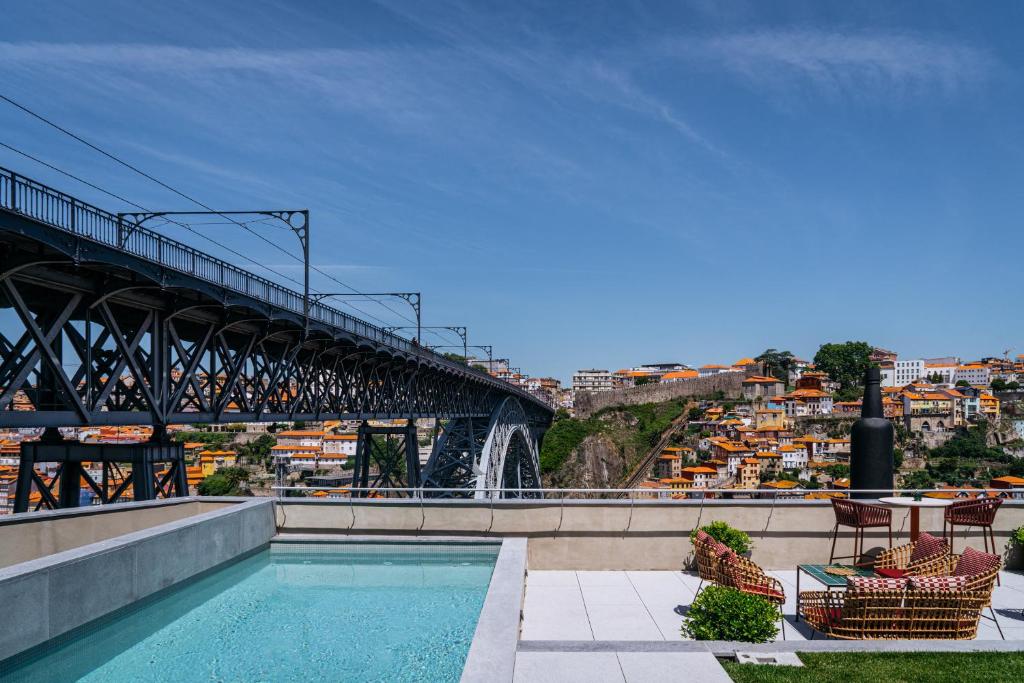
x: 600, y: 450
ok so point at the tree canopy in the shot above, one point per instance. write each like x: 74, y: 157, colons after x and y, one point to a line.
x: 776, y: 363
x: 845, y: 362
x: 227, y: 481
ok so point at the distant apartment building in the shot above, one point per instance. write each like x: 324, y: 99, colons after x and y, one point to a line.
x: 928, y: 411
x: 713, y: 369
x: 591, y: 381
x: 880, y: 355
x: 887, y: 371
x: 756, y: 386
x: 908, y: 371
x: 975, y: 374
x: 940, y: 370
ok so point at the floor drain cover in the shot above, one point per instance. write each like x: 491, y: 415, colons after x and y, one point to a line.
x: 776, y: 658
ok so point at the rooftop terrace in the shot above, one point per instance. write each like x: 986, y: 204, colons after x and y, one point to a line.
x: 598, y: 588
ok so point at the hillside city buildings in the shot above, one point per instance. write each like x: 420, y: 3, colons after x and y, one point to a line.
x: 762, y: 441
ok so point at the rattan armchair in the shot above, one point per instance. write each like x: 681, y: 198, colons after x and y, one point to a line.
x: 983, y: 583
x: 894, y: 614
x: 908, y: 560
x: 747, y: 576
x: 704, y: 549
x: 858, y: 516
x: 726, y: 568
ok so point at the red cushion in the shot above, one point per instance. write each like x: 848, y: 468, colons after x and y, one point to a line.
x: 927, y: 546
x: 703, y: 537
x: 974, y: 562
x: 891, y: 573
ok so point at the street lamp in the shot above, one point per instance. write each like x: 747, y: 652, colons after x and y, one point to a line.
x: 412, y: 298
x: 297, y: 220
x: 457, y: 329
x: 485, y: 347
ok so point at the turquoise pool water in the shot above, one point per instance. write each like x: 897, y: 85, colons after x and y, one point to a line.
x: 343, y: 612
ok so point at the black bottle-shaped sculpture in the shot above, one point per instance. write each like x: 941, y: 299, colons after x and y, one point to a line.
x: 871, y: 443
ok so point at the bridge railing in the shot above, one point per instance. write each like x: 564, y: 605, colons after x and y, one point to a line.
x: 38, y: 201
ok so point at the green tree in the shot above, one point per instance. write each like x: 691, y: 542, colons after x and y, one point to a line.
x: 962, y: 383
x: 257, y: 451
x: 227, y: 481
x: 999, y: 384
x: 838, y: 471
x: 918, y: 479
x: 845, y: 363
x: 776, y: 363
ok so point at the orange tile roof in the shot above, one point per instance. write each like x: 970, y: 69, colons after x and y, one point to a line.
x: 757, y: 379
x: 680, y: 374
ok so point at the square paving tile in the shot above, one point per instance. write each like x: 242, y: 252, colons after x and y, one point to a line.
x: 642, y: 667
x: 622, y: 622
x: 567, y: 667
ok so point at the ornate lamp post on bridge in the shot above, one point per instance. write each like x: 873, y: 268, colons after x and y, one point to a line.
x: 414, y: 299
x: 457, y: 329
x: 297, y: 220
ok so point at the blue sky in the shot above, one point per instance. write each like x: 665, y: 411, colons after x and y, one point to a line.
x: 582, y: 184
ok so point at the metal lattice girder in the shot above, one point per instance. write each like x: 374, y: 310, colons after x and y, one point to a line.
x: 144, y: 477
x: 96, y: 330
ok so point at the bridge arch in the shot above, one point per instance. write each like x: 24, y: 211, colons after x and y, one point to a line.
x: 474, y: 458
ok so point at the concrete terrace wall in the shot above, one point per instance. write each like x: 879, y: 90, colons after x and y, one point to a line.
x: 618, y: 535
x: 47, y: 597
x: 730, y: 383
x: 31, y: 536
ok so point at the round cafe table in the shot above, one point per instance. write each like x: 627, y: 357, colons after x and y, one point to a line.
x: 915, y: 509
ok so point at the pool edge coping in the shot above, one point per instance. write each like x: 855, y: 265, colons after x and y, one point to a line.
x: 492, y: 654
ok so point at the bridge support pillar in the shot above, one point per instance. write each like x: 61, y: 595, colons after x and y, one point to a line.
x: 393, y: 452
x: 64, y: 489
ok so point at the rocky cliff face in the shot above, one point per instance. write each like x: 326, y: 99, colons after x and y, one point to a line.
x: 603, y: 458
x: 598, y: 462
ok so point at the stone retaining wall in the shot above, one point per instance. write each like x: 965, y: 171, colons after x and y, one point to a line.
x: 729, y: 383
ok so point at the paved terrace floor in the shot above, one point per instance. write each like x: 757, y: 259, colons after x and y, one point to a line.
x: 649, y: 606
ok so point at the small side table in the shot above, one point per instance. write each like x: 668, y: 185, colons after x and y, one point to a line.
x: 915, y: 509
x: 830, y: 581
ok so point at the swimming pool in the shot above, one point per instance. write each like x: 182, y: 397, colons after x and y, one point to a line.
x: 292, y: 612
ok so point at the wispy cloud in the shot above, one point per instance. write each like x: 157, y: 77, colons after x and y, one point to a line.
x: 847, y: 63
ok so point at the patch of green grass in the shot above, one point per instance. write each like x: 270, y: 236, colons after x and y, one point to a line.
x: 890, y: 667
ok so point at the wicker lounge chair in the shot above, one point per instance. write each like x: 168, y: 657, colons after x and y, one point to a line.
x: 894, y: 614
x: 927, y: 556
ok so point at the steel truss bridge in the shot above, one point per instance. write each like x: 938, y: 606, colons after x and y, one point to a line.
x: 100, y: 325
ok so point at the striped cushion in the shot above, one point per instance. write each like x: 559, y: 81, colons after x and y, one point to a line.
x: 870, y: 583
x: 927, y: 546
x: 725, y: 553
x: 938, y: 584
x: 974, y: 562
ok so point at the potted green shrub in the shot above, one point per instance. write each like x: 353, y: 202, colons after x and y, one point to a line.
x: 1015, y: 549
x: 721, y: 613
x: 738, y: 540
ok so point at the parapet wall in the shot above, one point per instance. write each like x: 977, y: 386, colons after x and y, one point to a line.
x: 729, y: 383
x: 624, y: 535
x: 50, y: 595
